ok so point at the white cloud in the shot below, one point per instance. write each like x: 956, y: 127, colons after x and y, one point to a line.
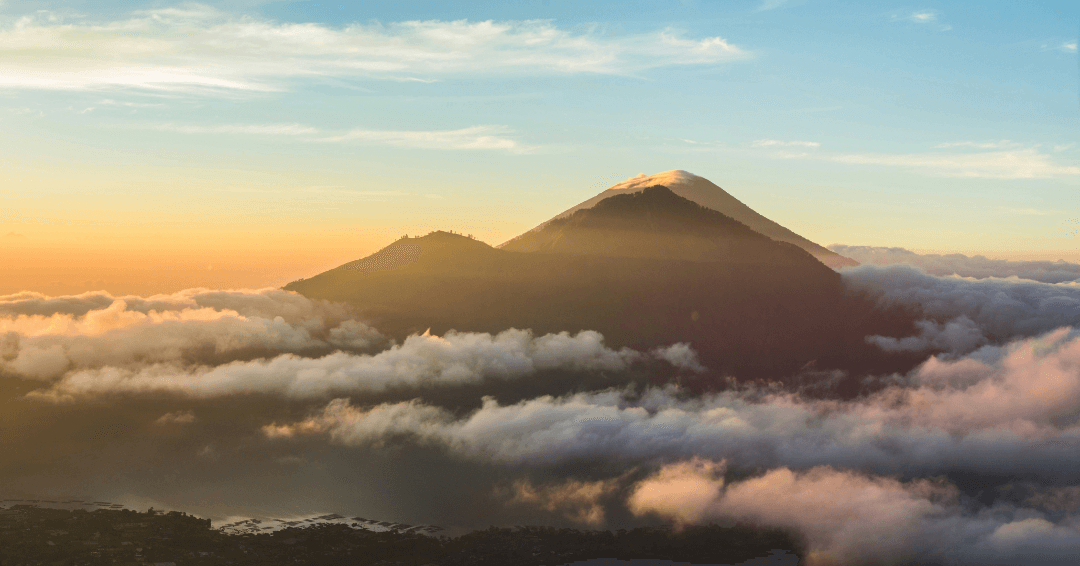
x: 1025, y: 163
x: 421, y: 361
x: 930, y: 18
x: 780, y: 143
x: 241, y: 129
x: 1001, y: 308
x: 977, y: 266
x: 471, y: 138
x: 1002, y: 144
x: 200, y: 49
x: 852, y: 518
x: 45, y: 337
x: 1010, y: 411
x: 1068, y: 47
x: 475, y: 137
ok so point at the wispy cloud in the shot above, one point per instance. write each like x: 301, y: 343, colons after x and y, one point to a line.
x: 491, y: 137
x: 929, y: 18
x: 1001, y: 144
x: 1027, y: 163
x: 242, y: 129
x: 994, y: 160
x: 202, y: 49
x: 781, y: 143
x: 475, y: 137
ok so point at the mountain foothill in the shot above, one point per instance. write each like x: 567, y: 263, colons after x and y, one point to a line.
x: 646, y: 267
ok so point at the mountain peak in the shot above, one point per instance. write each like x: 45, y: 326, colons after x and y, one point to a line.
x: 667, y: 178
x: 705, y: 193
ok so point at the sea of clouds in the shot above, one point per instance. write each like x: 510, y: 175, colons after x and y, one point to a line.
x: 969, y: 458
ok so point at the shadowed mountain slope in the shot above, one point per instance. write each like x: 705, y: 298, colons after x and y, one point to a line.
x: 646, y: 270
x: 707, y: 194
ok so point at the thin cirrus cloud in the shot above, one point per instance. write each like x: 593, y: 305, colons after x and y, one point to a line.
x: 996, y: 160
x: 475, y: 137
x: 239, y: 129
x: 483, y: 137
x: 782, y: 143
x: 201, y: 49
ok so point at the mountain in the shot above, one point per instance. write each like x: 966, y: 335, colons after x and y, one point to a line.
x: 657, y: 223
x: 645, y: 269
x: 707, y: 194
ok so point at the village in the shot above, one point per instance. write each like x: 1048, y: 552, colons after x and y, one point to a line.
x: 36, y: 535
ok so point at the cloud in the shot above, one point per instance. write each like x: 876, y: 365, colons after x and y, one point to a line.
x: 779, y: 143
x: 1001, y: 309
x: 475, y: 137
x: 1027, y: 163
x: 1068, y: 46
x: 1006, y: 412
x: 965, y: 266
x: 853, y: 518
x: 1002, y: 144
x: 176, y: 418
x: 929, y: 18
x: 240, y: 129
x: 46, y: 337
x: 421, y: 361
x: 996, y: 161
x: 199, y: 49
x: 578, y: 501
x: 684, y: 491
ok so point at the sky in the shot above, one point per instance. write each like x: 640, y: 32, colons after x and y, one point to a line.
x: 149, y: 147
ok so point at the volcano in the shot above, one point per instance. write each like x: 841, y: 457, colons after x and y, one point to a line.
x: 705, y: 193
x: 646, y: 268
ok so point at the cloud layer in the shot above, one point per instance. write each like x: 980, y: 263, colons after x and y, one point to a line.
x: 197, y: 48
x: 45, y: 337
x: 421, y: 361
x: 968, y: 459
x: 205, y: 344
x: 1011, y: 411
x: 853, y: 518
x: 978, y: 266
x: 969, y: 312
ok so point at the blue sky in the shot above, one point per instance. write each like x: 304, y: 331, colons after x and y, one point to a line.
x: 947, y: 126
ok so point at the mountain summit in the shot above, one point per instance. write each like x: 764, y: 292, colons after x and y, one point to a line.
x: 657, y: 223
x: 707, y: 194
